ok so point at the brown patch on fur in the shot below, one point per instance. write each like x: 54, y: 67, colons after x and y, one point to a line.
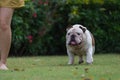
x: 83, y: 28
x: 93, y: 40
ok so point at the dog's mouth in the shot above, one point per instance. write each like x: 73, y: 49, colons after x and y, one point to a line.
x: 73, y: 43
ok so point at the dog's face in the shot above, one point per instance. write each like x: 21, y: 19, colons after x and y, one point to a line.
x: 74, y: 35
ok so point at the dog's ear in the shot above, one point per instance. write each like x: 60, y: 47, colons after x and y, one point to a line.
x: 83, y: 28
x: 68, y: 27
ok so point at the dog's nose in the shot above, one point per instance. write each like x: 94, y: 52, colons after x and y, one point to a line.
x: 72, y: 37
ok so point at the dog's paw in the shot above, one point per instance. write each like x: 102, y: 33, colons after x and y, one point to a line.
x: 80, y: 62
x: 89, y: 63
x: 69, y: 63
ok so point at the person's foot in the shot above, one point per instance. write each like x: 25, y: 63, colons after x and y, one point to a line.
x: 3, y: 67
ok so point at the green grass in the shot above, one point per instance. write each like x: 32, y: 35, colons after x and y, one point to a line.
x: 105, y: 67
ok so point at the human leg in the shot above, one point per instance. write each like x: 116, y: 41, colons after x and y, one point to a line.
x: 5, y: 35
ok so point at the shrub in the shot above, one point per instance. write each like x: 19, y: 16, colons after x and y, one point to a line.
x: 29, y: 24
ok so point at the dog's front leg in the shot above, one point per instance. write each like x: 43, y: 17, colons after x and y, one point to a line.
x: 89, y: 55
x: 71, y: 57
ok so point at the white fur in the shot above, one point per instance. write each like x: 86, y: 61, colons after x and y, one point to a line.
x: 86, y: 47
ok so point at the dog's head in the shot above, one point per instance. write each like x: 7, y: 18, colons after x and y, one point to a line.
x: 75, y: 34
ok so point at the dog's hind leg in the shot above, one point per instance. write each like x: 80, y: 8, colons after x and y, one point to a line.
x: 81, y: 59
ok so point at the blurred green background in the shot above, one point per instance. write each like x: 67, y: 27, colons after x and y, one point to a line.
x: 39, y: 28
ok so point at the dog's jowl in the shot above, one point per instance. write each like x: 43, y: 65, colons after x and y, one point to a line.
x: 79, y: 41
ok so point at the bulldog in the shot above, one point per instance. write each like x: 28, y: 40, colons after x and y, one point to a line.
x: 79, y: 41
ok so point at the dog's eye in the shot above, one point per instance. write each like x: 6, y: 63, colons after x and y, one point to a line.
x: 68, y: 34
x: 78, y: 33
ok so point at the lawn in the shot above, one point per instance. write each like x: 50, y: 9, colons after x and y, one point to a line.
x: 105, y: 67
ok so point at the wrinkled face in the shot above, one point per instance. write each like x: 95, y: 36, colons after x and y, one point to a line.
x: 74, y: 36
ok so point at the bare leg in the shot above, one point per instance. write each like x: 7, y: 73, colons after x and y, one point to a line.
x: 5, y: 35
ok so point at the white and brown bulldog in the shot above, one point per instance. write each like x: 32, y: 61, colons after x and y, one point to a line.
x: 80, y: 41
